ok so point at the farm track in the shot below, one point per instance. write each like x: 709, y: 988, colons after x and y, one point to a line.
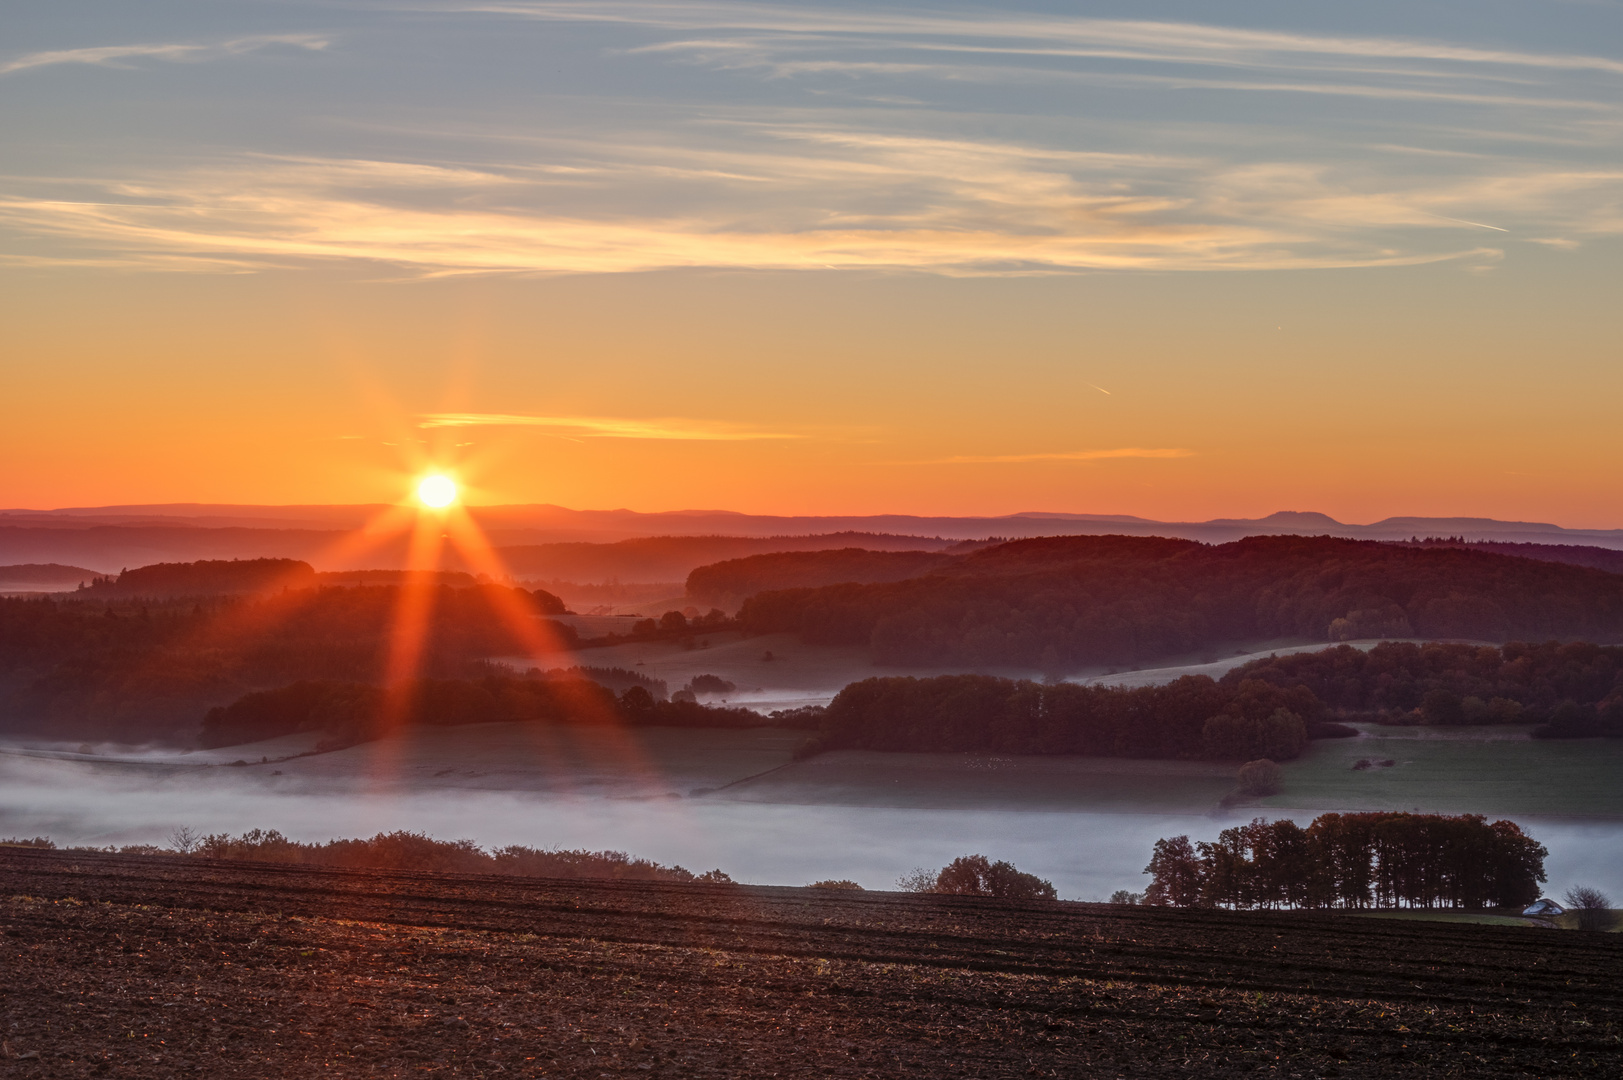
x: 158, y: 967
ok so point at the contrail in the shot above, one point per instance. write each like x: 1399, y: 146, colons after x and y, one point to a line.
x: 1462, y: 221
x: 1101, y: 390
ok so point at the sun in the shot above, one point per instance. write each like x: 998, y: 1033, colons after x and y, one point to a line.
x: 437, y: 491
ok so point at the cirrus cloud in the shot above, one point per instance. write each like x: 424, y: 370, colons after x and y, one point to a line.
x: 119, y: 55
x: 1062, y: 455
x: 607, y: 427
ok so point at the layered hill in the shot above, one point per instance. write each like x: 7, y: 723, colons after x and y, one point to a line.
x: 1065, y: 602
x: 730, y: 582
x: 120, y: 536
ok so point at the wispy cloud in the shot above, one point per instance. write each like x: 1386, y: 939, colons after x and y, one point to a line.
x: 1143, y: 40
x: 606, y: 427
x: 120, y: 55
x: 842, y: 177
x: 806, y: 198
x: 1064, y: 455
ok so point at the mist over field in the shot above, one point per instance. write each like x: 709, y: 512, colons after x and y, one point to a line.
x: 1087, y: 855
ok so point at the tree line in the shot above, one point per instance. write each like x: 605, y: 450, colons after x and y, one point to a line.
x: 1059, y: 603
x: 403, y: 850
x: 1352, y: 861
x: 1192, y: 717
x: 347, y: 713
x: 1574, y: 689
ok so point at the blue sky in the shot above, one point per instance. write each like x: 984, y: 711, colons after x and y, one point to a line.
x: 609, y: 136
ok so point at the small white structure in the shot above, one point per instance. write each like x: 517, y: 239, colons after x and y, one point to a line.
x: 1544, y: 907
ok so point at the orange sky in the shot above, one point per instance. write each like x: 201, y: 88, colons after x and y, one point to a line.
x: 812, y: 393
x: 815, y: 259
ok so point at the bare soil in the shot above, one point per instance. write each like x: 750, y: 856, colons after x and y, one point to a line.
x: 154, y: 967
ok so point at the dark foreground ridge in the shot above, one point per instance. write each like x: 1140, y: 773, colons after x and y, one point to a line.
x: 164, y: 967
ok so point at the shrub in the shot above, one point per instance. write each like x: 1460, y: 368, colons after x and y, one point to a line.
x: 1592, y: 906
x: 842, y: 884
x: 711, y: 684
x: 1261, y: 777
x: 1124, y: 896
x: 917, y: 880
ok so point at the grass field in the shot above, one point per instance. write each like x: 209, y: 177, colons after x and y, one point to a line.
x: 1486, y: 770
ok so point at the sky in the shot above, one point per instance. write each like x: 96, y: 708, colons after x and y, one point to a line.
x: 1171, y: 259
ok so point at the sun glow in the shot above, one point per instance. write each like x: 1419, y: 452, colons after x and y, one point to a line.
x: 437, y: 491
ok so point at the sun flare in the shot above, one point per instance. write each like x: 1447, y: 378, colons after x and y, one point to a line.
x: 437, y: 491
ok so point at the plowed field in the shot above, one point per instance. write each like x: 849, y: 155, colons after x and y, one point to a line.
x: 123, y: 966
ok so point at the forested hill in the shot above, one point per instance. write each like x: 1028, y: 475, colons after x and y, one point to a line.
x: 1577, y: 554
x: 672, y: 558
x: 208, y: 577
x: 134, y: 671
x: 731, y: 581
x: 1063, y: 602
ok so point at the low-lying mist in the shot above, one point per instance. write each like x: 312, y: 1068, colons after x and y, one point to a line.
x: 1087, y: 855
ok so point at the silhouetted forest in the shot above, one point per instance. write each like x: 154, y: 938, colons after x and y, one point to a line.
x: 672, y: 558
x: 1575, y: 689
x: 351, y: 712
x: 1060, y: 603
x: 730, y: 582
x: 208, y: 577
x: 1193, y: 717
x: 403, y: 850
x: 44, y: 574
x: 1608, y: 559
x: 1352, y: 861
x: 233, y: 577
x: 137, y: 670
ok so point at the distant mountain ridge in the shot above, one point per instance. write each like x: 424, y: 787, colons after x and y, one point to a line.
x: 113, y: 537
x: 557, y: 523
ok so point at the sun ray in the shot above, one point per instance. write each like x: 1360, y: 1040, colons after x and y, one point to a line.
x: 540, y: 641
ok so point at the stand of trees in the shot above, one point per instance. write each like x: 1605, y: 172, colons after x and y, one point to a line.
x: 350, y: 712
x: 1058, y: 603
x: 1352, y: 861
x: 1575, y: 689
x: 1193, y: 717
x: 976, y: 875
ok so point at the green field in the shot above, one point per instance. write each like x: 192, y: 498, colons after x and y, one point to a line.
x: 1483, y: 770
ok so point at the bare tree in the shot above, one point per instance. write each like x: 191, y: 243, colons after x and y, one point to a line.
x: 920, y: 880
x: 185, y: 839
x: 1593, y: 907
